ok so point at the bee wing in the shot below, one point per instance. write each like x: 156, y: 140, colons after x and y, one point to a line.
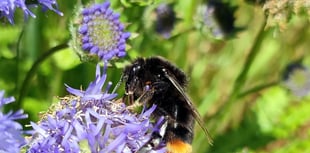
x: 189, y: 104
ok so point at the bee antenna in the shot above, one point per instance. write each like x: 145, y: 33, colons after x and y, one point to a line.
x: 121, y: 80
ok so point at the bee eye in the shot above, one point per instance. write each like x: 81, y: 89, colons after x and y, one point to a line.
x: 136, y: 68
x: 164, y: 70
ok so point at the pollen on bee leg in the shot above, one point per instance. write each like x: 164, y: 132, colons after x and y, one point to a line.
x: 178, y: 146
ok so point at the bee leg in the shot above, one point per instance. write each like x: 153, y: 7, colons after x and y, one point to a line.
x: 160, y: 86
x: 142, y: 100
x: 156, y: 138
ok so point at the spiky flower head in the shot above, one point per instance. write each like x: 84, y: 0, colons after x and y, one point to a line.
x: 11, y: 134
x: 279, y: 12
x: 92, y: 121
x: 297, y: 79
x: 101, y: 33
x: 8, y: 7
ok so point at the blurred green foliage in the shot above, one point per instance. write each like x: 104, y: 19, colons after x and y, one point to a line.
x: 235, y: 82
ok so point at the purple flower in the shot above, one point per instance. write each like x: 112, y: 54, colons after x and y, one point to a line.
x: 8, y: 7
x: 101, y: 33
x: 165, y: 20
x: 297, y: 79
x: 209, y: 21
x: 49, y: 5
x: 92, y: 121
x: 55, y: 133
x: 10, y: 131
x: 218, y: 17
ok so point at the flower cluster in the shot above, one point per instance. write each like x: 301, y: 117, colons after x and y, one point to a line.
x: 8, y: 7
x: 92, y: 121
x: 10, y: 131
x: 101, y: 33
x: 280, y: 11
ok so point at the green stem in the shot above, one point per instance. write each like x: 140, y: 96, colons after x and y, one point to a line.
x: 242, y: 77
x: 17, y: 57
x: 219, y: 117
x: 256, y: 89
x: 34, y: 68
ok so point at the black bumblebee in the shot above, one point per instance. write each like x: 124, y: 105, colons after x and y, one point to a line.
x: 155, y: 80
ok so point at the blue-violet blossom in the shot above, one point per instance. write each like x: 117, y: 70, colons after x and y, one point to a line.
x: 11, y: 133
x: 50, y: 5
x: 101, y: 32
x: 297, y: 79
x: 8, y: 7
x: 94, y: 118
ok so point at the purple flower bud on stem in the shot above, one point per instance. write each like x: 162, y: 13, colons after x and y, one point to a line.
x: 104, y: 31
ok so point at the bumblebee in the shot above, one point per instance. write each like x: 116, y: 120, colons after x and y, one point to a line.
x: 157, y: 81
